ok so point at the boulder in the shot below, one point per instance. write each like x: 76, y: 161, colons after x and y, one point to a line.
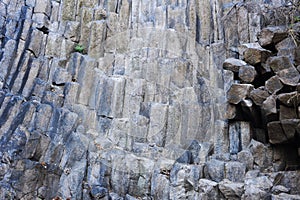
x: 276, y: 133
x: 208, y: 189
x: 287, y: 112
x: 278, y: 63
x: 291, y: 180
x: 254, y: 193
x: 115, y: 196
x: 269, y: 111
x: 237, y: 92
x: 246, y: 158
x: 289, y: 76
x: 214, y: 170
x: 231, y: 190
x: 259, y: 95
x: 287, y: 47
x: 247, y: 73
x: 256, y: 55
x: 233, y: 64
x: 271, y: 35
x: 273, y: 84
x: 235, y: 171
x: 262, y: 182
x: 289, y: 127
x: 260, y: 153
x: 289, y: 99
x: 283, y: 67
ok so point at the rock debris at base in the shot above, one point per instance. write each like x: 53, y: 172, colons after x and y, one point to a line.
x: 149, y: 99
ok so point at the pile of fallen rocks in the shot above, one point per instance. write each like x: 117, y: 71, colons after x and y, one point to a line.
x: 265, y: 88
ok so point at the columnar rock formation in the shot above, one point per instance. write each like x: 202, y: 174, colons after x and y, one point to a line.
x: 128, y: 99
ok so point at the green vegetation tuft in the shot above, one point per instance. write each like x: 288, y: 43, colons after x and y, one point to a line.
x: 79, y: 48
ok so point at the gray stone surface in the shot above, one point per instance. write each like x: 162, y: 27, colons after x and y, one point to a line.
x: 272, y: 35
x: 147, y: 109
x: 215, y: 170
x: 231, y: 190
x: 238, y: 92
x: 233, y: 64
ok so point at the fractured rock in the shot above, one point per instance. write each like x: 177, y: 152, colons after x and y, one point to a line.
x: 287, y: 113
x: 271, y: 35
x: 289, y: 76
x: 256, y: 55
x: 279, y: 189
x: 259, y: 152
x: 98, y: 192
x: 276, y: 133
x: 261, y: 182
x: 289, y: 99
x: 209, y: 188
x: 247, y: 73
x: 273, y: 84
x: 214, y: 170
x: 233, y: 64
x: 246, y: 157
x: 285, y: 70
x: 237, y: 92
x: 289, y: 127
x: 279, y: 63
x: 259, y: 95
x: 269, y: 108
x: 231, y: 190
x: 235, y: 171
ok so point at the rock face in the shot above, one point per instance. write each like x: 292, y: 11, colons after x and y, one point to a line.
x: 129, y: 100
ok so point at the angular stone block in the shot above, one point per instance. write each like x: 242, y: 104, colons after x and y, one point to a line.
x: 276, y: 133
x: 287, y: 112
x: 231, y: 190
x: 291, y: 99
x: 214, y: 170
x: 233, y: 64
x: 273, y: 84
x: 259, y: 95
x: 247, y: 73
x: 278, y: 63
x: 256, y: 55
x: 269, y: 110
x: 272, y: 35
x: 208, y: 188
x: 237, y: 92
x: 246, y: 157
x: 235, y: 171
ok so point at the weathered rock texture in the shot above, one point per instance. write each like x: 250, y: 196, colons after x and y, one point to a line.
x: 128, y: 99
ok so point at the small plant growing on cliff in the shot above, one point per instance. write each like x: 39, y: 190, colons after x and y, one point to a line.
x: 296, y: 19
x: 79, y: 48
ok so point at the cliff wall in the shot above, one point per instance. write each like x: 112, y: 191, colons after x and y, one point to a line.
x: 127, y: 99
